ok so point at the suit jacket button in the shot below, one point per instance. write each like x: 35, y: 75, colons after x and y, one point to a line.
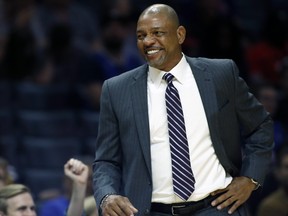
x: 147, y: 212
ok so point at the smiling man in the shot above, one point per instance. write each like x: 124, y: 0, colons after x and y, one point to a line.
x: 172, y: 132
x: 16, y: 200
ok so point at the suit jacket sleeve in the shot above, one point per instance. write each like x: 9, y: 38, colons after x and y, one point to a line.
x: 240, y: 128
x: 108, y: 153
x: 256, y: 128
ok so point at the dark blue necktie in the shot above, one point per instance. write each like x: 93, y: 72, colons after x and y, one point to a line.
x: 183, y: 178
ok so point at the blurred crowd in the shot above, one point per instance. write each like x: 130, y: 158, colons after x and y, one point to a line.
x: 85, y: 42
x: 80, y: 43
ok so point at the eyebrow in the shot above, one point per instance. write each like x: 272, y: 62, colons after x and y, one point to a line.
x: 153, y: 29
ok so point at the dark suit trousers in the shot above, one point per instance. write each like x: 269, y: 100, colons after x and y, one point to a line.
x: 212, y: 211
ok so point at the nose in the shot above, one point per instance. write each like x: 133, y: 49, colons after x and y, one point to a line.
x: 149, y: 40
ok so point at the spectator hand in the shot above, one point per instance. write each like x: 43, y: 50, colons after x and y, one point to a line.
x: 235, y: 194
x: 76, y: 171
x: 117, y: 205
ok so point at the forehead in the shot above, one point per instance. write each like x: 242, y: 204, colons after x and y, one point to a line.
x: 158, y: 20
x: 16, y: 202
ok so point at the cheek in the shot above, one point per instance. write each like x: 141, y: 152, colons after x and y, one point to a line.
x: 140, y: 45
x: 140, y: 48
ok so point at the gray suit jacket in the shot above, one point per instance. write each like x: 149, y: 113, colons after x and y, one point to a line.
x: 241, y: 130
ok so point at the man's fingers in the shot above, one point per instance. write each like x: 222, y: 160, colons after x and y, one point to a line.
x: 234, y: 207
x: 116, y: 205
x: 221, y: 199
x: 134, y: 210
x: 118, y: 210
x: 127, y: 207
x: 235, y: 194
x: 225, y: 203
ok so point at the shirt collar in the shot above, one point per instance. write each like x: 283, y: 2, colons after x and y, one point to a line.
x: 178, y: 72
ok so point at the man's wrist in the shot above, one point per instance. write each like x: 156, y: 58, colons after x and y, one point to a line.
x: 104, y: 199
x: 257, y: 185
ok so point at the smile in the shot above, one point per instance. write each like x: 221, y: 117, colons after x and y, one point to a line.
x: 151, y: 52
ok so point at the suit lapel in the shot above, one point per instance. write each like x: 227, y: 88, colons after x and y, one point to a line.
x: 140, y: 110
x: 206, y: 88
x: 204, y: 80
x: 207, y: 92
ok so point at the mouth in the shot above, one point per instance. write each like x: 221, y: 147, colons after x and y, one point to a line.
x: 153, y: 51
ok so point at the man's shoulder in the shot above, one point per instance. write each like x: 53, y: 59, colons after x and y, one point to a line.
x: 208, y: 61
x: 126, y: 76
x: 219, y: 67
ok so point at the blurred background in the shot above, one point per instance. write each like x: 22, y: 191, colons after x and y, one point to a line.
x: 55, y: 55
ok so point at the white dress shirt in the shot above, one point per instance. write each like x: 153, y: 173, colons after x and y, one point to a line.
x: 209, y: 173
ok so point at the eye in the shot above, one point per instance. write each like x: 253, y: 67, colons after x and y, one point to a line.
x: 140, y: 37
x: 159, y: 33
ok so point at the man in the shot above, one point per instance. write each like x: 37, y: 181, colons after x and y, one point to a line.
x: 134, y: 170
x: 16, y: 200
x: 276, y: 202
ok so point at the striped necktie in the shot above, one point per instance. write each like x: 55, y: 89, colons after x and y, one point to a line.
x: 182, y: 175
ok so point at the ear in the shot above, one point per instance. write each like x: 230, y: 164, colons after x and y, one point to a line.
x: 181, y: 34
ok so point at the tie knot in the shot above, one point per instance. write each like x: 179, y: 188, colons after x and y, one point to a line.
x: 168, y: 77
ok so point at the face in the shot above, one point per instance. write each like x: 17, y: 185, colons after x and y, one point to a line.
x: 21, y: 205
x: 159, y: 40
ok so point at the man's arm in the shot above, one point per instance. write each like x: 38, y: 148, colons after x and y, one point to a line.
x: 257, y: 132
x: 107, y: 167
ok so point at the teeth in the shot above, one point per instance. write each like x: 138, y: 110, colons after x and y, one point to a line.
x: 150, y: 52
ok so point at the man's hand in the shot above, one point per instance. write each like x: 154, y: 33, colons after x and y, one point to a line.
x: 117, y: 205
x: 235, y: 194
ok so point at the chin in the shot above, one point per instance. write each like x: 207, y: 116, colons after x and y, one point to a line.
x: 156, y: 64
